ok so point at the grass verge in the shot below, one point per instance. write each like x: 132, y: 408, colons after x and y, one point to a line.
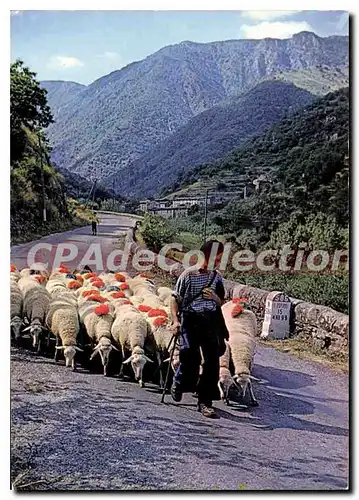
x: 302, y: 348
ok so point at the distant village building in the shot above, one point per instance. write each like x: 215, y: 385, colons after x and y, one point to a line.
x: 260, y: 182
x: 179, y: 205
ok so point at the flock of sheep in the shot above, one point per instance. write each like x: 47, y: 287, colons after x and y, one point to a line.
x: 115, y: 312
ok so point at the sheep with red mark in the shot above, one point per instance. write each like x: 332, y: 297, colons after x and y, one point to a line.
x: 63, y: 321
x: 95, y: 315
x: 242, y: 326
x: 131, y: 331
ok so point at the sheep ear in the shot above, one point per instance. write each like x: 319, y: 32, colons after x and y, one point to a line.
x: 113, y: 347
x: 148, y: 359
x: 166, y: 360
x: 127, y: 360
x: 60, y: 347
x: 78, y: 349
x: 27, y: 328
x: 255, y: 378
x: 94, y: 354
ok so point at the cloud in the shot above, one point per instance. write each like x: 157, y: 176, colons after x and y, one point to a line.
x: 112, y: 56
x: 275, y: 29
x: 267, y: 15
x: 64, y: 62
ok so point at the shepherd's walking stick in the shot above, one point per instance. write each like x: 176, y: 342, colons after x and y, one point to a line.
x: 174, y: 340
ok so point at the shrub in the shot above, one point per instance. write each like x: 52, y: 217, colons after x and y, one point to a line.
x: 155, y: 231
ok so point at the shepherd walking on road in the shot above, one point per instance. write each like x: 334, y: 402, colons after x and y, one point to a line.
x: 197, y: 317
x: 94, y: 224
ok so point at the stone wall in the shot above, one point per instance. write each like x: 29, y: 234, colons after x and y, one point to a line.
x: 329, y: 329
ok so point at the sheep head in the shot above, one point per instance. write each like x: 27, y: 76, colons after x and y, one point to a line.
x: 103, y: 348
x: 35, y: 332
x: 138, y: 360
x: 15, y: 325
x: 69, y: 354
x: 242, y: 381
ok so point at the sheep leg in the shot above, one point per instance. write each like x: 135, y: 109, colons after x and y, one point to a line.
x: 120, y: 375
x: 254, y: 402
x: 73, y: 365
x: 223, y: 394
x: 56, y: 357
x: 221, y: 391
x: 158, y: 356
x: 48, y: 340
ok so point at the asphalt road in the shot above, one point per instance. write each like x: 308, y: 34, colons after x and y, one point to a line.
x: 88, y: 432
x: 108, y: 231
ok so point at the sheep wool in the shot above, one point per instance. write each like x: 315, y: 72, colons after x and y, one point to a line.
x: 16, y: 303
x: 131, y: 330
x: 97, y: 320
x: 226, y: 380
x: 36, y: 306
x: 27, y: 283
x: 62, y: 319
x: 242, y: 328
x: 165, y: 294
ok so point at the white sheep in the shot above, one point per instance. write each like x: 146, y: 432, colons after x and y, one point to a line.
x: 57, y: 281
x: 27, y: 283
x: 14, y: 274
x: 242, y: 327
x: 35, y: 307
x: 162, y: 334
x: 16, y: 305
x: 62, y: 319
x: 139, y: 284
x: 97, y: 320
x: 131, y: 331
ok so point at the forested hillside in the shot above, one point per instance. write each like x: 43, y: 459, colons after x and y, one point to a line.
x: 35, y: 183
x: 302, y: 201
x: 122, y: 116
x: 211, y: 135
x: 305, y: 176
x: 60, y: 93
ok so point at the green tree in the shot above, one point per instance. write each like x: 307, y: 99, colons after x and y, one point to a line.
x: 28, y: 107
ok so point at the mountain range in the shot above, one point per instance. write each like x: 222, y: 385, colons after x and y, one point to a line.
x: 137, y: 122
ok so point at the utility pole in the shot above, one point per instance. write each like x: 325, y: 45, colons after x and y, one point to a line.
x: 94, y: 190
x: 89, y: 195
x: 113, y: 194
x: 205, y: 217
x: 42, y: 182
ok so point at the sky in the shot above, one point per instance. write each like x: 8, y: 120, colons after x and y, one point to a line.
x: 82, y: 46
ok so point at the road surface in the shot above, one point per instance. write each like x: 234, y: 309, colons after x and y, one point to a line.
x: 95, y: 433
x: 108, y: 231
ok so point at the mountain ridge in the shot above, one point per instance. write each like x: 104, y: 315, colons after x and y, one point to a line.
x: 211, y: 135
x: 122, y: 116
